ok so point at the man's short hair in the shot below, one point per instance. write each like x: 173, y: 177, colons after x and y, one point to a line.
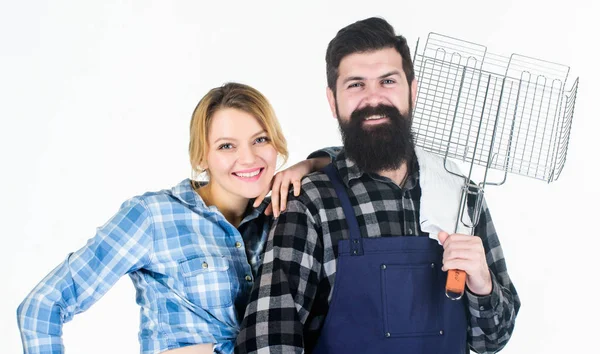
x: 365, y: 36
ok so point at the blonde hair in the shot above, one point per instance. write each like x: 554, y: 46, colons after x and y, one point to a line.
x: 238, y: 96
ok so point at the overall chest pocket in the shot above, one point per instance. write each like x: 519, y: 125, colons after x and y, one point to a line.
x: 207, y: 281
x: 411, y: 299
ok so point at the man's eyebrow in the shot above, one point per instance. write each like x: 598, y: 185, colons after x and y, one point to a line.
x: 353, y: 78
x: 391, y: 73
x: 359, y: 78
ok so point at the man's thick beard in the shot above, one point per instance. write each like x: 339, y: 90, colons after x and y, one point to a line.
x: 382, y: 147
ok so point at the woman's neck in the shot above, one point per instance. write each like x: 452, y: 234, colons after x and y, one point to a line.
x: 232, y: 207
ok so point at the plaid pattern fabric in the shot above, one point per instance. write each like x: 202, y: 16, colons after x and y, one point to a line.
x: 193, y: 272
x: 291, y: 296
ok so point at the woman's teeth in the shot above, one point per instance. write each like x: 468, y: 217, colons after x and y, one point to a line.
x: 247, y: 175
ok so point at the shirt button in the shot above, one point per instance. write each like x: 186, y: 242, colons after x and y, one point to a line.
x: 238, y: 244
x: 482, y: 308
x: 248, y: 278
x: 410, y: 231
x: 204, y: 265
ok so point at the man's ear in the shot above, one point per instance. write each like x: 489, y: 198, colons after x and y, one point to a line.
x: 413, y: 91
x: 331, y: 100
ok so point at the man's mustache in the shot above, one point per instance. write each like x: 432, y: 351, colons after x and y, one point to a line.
x: 361, y: 114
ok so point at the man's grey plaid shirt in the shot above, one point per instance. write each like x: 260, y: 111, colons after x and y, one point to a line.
x: 291, y: 295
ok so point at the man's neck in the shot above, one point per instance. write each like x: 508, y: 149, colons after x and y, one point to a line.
x: 398, y: 175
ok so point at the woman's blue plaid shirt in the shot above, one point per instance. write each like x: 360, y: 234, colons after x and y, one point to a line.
x: 193, y: 272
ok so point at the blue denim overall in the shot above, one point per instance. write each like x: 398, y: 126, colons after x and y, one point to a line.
x: 389, y: 295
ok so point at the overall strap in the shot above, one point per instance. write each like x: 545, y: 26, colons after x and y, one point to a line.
x: 356, y: 245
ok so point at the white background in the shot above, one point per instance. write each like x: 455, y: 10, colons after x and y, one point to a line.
x: 95, y: 102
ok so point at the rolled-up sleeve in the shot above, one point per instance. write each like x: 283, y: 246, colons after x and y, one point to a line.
x: 121, y: 246
x: 492, y: 317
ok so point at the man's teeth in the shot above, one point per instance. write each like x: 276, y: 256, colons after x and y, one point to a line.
x: 248, y: 175
x: 375, y: 117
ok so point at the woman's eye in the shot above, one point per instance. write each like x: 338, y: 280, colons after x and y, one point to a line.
x: 225, y: 146
x: 261, y: 140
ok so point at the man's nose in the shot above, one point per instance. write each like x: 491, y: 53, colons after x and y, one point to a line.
x: 373, y: 95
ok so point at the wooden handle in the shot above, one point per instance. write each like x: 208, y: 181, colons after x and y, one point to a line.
x: 455, y: 284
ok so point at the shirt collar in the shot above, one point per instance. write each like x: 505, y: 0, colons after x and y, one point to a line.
x: 349, y: 171
x: 186, y: 194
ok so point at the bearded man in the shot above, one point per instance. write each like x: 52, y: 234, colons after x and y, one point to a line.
x: 347, y: 267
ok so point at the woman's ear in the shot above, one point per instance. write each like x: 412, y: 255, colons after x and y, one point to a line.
x: 202, y: 166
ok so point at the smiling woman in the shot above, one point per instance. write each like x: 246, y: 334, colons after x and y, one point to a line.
x: 240, y: 158
x: 192, y: 251
x: 235, y: 139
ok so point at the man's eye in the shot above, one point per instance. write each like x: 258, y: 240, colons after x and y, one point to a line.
x: 388, y: 81
x: 225, y: 146
x: 355, y: 84
x: 261, y: 140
